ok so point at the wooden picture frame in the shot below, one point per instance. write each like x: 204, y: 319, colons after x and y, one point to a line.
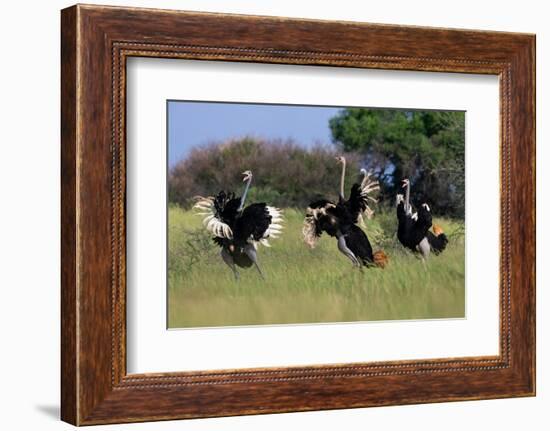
x: 95, y: 43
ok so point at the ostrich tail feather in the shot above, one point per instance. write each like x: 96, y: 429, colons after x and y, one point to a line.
x: 309, y: 232
x: 381, y: 259
x: 437, y: 229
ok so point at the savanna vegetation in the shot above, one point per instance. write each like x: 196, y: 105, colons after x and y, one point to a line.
x: 306, y: 285
x: 425, y: 146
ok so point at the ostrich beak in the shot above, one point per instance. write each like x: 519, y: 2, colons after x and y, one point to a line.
x: 247, y: 175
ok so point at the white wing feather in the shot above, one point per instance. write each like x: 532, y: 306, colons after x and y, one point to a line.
x: 205, y: 206
x: 275, y: 227
x: 369, y: 185
x: 309, y: 228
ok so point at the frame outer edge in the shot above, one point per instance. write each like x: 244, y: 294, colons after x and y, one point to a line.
x: 69, y: 202
x: 533, y: 54
x: 88, y: 397
x: 523, y: 208
x: 532, y: 127
x: 530, y: 81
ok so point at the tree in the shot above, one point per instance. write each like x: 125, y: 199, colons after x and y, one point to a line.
x: 425, y: 146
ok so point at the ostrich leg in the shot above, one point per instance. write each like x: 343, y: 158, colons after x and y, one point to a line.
x: 424, y: 248
x: 343, y: 247
x: 251, y: 253
x: 228, y: 259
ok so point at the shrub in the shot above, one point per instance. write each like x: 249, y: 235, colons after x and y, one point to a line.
x: 285, y: 174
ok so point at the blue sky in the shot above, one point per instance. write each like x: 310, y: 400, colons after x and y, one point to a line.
x: 193, y: 124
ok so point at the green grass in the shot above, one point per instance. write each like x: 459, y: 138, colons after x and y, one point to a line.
x: 309, y: 286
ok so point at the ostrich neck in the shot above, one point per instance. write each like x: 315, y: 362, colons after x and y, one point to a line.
x: 407, y: 196
x: 243, y: 198
x: 342, y: 178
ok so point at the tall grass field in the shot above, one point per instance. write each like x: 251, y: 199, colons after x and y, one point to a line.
x: 304, y: 285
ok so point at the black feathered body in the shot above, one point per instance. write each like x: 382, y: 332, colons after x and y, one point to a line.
x: 438, y: 243
x: 358, y: 242
x: 339, y: 219
x: 356, y: 204
x: 251, y: 223
x: 413, y: 229
x: 235, y: 229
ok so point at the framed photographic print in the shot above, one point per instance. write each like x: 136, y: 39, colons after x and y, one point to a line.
x: 263, y: 217
x: 290, y: 193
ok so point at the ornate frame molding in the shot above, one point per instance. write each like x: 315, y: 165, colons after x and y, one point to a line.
x: 96, y: 41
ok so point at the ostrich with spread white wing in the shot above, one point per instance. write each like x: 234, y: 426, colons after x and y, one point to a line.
x: 238, y: 229
x: 339, y: 220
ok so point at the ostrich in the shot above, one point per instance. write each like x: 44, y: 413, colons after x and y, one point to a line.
x: 339, y: 221
x: 238, y: 229
x: 413, y: 230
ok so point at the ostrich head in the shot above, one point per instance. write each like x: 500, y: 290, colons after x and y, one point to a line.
x: 405, y: 183
x: 341, y: 159
x: 247, y: 176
